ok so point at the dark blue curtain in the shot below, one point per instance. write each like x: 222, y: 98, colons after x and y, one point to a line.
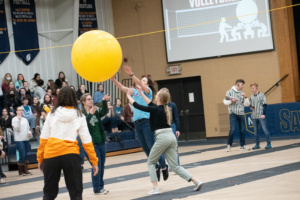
x: 25, y: 29
x: 4, y: 42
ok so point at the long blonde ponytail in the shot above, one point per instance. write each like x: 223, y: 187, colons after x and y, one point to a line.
x: 164, y: 97
x: 168, y: 114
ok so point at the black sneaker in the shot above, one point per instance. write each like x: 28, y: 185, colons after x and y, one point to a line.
x: 158, y: 173
x: 3, y: 175
x: 165, y: 173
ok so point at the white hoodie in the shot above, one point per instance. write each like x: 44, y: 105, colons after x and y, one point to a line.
x: 59, y: 135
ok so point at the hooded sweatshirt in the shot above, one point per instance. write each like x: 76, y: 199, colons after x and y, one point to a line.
x: 238, y: 107
x: 59, y: 135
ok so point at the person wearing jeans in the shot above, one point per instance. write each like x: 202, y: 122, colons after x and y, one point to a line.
x: 93, y: 116
x: 258, y: 105
x: 236, y: 100
x: 21, y: 135
x: 141, y: 118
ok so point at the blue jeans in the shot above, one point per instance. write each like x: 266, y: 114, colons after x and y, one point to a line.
x: 23, y: 148
x: 240, y: 121
x: 261, y: 123
x: 146, y: 139
x: 97, y: 180
x: 109, y: 123
x: 81, y: 151
x: 173, y: 126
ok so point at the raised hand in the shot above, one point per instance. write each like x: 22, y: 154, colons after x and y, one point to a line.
x: 93, y: 110
x: 127, y: 69
x: 106, y: 97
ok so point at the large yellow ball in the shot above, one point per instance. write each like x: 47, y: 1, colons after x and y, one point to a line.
x: 96, y: 56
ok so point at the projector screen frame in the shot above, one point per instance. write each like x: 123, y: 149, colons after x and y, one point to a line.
x: 218, y: 56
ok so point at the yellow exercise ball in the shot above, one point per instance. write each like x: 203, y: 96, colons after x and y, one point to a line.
x: 96, y: 56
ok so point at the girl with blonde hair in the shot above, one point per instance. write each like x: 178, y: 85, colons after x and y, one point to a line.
x: 160, y: 121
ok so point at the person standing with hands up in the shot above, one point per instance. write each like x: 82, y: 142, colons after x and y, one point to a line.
x: 93, y: 116
x: 141, y: 118
x: 235, y: 99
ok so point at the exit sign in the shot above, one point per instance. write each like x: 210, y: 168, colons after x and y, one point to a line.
x: 174, y: 70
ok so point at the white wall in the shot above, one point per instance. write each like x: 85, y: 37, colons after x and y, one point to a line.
x: 54, y: 15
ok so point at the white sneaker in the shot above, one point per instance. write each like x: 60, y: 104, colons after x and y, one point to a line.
x: 154, y: 191
x: 198, y: 185
x: 2, y: 181
x: 103, y: 191
x: 245, y: 148
x: 228, y: 148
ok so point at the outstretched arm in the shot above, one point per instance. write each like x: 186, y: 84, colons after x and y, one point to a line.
x: 135, y: 79
x: 140, y: 107
x: 146, y: 99
x: 122, y: 87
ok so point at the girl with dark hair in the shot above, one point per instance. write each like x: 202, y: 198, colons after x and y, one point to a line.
x: 93, y: 116
x: 33, y: 81
x: 61, y: 78
x: 12, y: 101
x: 19, y: 82
x: 39, y: 92
x: 54, y: 97
x: 58, y: 148
x: 99, y: 94
x: 22, y: 94
x: 160, y: 117
x: 141, y: 118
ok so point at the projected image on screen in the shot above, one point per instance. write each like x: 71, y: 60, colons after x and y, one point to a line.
x: 209, y: 28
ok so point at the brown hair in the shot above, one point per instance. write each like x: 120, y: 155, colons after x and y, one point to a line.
x: 67, y: 97
x: 254, y: 84
x: 164, y: 97
x: 240, y: 81
x: 52, y: 86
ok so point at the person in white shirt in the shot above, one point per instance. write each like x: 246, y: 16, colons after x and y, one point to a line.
x: 22, y: 134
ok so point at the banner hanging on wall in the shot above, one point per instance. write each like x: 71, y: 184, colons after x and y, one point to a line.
x: 87, y: 16
x: 4, y: 41
x: 25, y: 29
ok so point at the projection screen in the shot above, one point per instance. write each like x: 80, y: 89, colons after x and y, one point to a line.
x: 197, y: 29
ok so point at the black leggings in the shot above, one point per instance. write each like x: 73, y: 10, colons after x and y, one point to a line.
x: 71, y: 166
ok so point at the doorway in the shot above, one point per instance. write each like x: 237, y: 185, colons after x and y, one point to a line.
x: 187, y: 95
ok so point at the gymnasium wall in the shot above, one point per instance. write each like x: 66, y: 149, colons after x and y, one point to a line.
x: 56, y: 21
x: 147, y: 56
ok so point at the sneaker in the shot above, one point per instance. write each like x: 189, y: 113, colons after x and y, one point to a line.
x: 2, y: 181
x: 103, y: 191
x: 256, y: 147
x: 158, y: 173
x: 165, y: 173
x: 245, y: 148
x: 154, y: 191
x: 198, y: 185
x: 268, y: 146
x: 228, y: 148
x: 3, y: 175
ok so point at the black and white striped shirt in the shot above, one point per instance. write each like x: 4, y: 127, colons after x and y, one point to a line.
x: 258, y: 101
x: 238, y: 107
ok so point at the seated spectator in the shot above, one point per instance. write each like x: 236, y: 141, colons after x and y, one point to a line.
x: 2, y: 154
x: 26, y: 87
x: 28, y: 113
x: 12, y: 101
x: 109, y: 121
x: 33, y: 82
x: 99, y: 94
x: 64, y: 84
x: 39, y: 92
x: 81, y: 91
x: 35, y: 106
x: 11, y: 86
x: 60, y: 79
x: 19, y: 82
x: 22, y: 134
x: 22, y: 94
x: 54, y: 97
x: 47, y: 101
x: 51, y: 85
x: 49, y: 93
x: 39, y: 122
x: 128, y: 114
x: 5, y: 123
x: 119, y: 114
x: 7, y: 78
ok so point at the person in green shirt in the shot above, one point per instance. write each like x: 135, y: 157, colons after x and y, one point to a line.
x: 93, y: 116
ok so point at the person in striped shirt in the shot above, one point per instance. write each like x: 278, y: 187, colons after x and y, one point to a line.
x: 235, y: 99
x: 258, y: 105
